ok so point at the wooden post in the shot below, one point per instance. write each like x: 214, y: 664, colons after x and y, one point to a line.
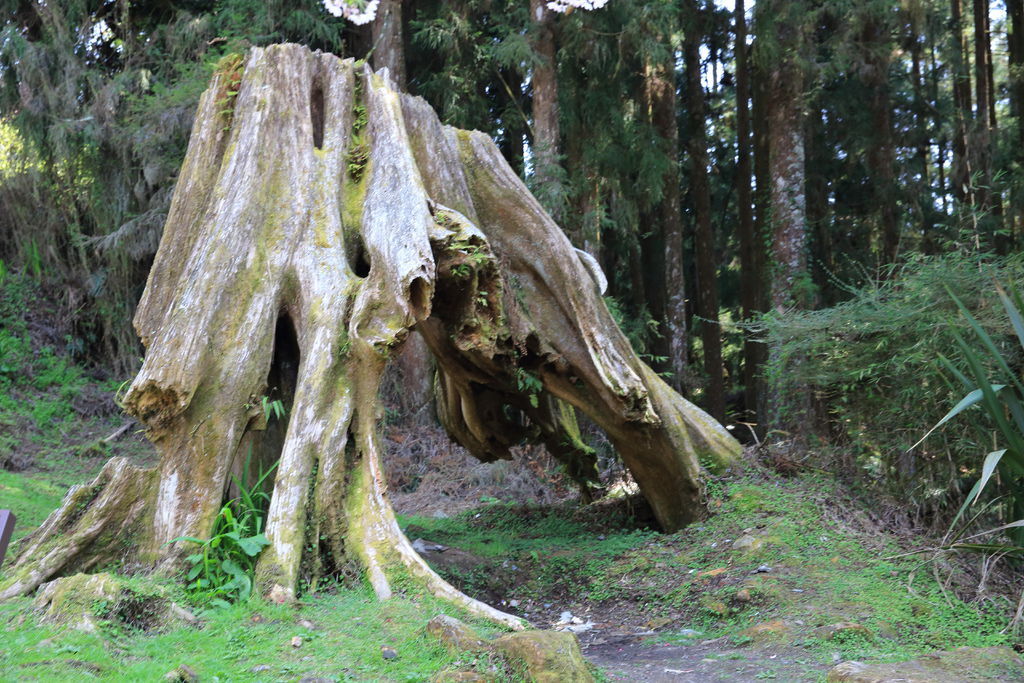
x: 7, y: 522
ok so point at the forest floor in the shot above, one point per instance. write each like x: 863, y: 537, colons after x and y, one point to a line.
x: 785, y: 577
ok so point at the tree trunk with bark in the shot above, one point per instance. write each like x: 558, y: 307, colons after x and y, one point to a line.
x: 663, y: 250
x: 546, y: 125
x: 700, y: 191
x: 752, y: 279
x: 961, y: 171
x: 785, y: 114
x: 388, y: 41
x: 319, y: 217
x: 881, y: 155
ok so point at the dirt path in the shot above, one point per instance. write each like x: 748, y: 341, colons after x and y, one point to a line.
x: 630, y: 659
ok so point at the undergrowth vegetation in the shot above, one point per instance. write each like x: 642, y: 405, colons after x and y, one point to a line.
x: 875, y: 368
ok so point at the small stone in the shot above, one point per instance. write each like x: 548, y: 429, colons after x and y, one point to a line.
x: 549, y: 656
x: 307, y: 624
x: 183, y: 674
x: 297, y: 641
x: 743, y: 595
x: 763, y: 569
x: 658, y: 622
x: 711, y: 573
x: 259, y: 668
x: 278, y: 595
x: 180, y: 612
x: 748, y: 543
x: 513, y: 603
x: 766, y: 631
x: 388, y: 652
x: 455, y: 634
x: 565, y: 617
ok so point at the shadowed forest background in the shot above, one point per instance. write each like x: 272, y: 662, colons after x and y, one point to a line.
x: 810, y: 213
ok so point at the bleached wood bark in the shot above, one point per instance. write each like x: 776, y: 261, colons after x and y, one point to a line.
x: 320, y: 216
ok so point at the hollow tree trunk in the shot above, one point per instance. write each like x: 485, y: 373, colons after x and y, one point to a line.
x: 320, y: 216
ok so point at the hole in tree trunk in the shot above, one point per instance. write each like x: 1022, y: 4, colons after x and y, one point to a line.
x: 260, y: 449
x: 316, y: 113
x: 358, y: 262
x: 419, y: 297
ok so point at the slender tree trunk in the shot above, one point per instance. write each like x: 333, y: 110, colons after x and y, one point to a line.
x: 960, y: 174
x: 882, y: 150
x: 700, y: 193
x: 788, y: 175
x: 923, y: 202
x: 388, y: 45
x: 817, y: 204
x: 982, y: 135
x: 1015, y: 40
x: 546, y: 126
x: 762, y: 230
x: 751, y: 280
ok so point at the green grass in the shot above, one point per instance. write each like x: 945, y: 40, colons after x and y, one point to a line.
x: 823, y: 570
x: 351, y: 626
x: 30, y: 499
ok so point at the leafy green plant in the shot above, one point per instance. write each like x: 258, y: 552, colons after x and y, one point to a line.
x: 223, y: 569
x: 995, y: 388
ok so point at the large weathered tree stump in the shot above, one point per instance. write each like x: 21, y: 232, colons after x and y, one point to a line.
x: 320, y: 216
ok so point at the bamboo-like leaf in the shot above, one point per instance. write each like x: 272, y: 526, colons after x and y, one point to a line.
x: 987, y: 470
x: 966, y: 402
x: 1013, y: 312
x: 988, y: 343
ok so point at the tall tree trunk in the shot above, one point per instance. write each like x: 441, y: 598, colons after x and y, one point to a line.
x: 785, y: 105
x: 546, y: 126
x: 817, y: 204
x: 700, y: 192
x: 752, y: 279
x: 960, y: 173
x: 924, y: 199
x: 388, y: 46
x: 881, y: 154
x: 762, y: 230
x: 982, y: 137
x: 302, y: 245
x: 665, y: 252
x: 1015, y: 40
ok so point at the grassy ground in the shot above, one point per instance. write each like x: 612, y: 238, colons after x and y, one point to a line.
x: 822, y: 562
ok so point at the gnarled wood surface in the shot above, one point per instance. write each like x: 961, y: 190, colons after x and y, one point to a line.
x: 320, y: 215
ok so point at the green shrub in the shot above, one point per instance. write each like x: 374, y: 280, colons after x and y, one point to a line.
x: 874, y: 368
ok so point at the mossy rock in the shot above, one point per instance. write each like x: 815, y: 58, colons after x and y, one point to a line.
x: 456, y: 635
x: 954, y: 666
x: 86, y: 601
x: 549, y: 656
